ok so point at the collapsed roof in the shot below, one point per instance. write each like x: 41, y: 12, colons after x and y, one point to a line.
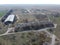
x: 33, y: 26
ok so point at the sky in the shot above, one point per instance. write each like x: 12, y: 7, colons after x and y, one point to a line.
x: 29, y: 1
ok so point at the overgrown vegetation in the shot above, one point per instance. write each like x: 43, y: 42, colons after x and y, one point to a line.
x: 29, y: 38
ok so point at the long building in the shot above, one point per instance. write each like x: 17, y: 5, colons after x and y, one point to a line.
x: 6, y: 15
x: 10, y: 19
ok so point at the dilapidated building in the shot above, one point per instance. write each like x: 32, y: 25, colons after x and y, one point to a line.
x: 10, y: 19
x: 33, y: 26
x: 6, y: 15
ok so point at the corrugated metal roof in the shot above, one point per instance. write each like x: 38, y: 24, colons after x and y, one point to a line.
x: 10, y: 18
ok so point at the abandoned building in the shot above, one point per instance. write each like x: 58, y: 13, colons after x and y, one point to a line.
x: 10, y: 19
x: 33, y: 26
x: 7, y: 14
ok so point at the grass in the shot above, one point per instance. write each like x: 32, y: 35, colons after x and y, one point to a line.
x: 2, y: 13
